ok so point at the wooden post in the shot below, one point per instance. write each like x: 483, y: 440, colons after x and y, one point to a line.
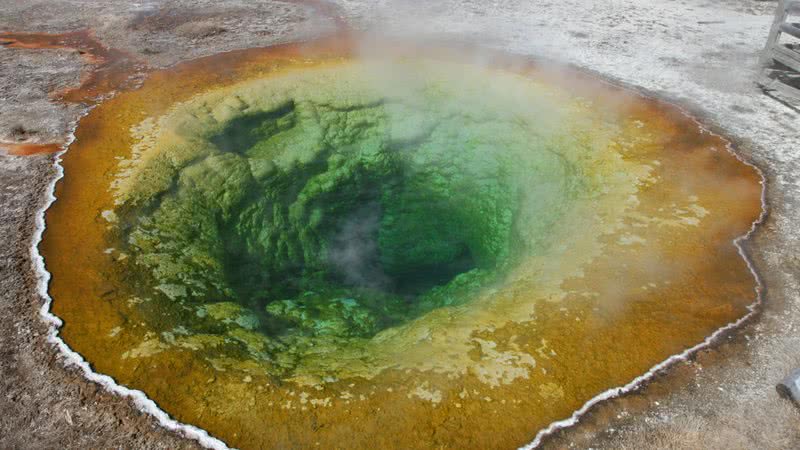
x: 774, y: 34
x: 789, y: 388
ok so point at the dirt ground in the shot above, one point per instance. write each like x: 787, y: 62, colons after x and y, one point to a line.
x: 701, y: 55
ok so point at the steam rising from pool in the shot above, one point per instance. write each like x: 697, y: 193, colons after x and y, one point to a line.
x: 314, y: 209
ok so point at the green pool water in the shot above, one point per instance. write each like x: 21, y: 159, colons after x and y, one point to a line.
x: 326, y: 207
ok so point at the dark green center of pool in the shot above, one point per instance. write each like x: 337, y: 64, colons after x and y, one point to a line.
x: 329, y: 209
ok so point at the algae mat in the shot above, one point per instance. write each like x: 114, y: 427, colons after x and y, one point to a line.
x: 411, y: 248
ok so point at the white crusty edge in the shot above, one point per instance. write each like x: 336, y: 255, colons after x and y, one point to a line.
x: 145, y: 404
x: 753, y: 308
x: 72, y: 358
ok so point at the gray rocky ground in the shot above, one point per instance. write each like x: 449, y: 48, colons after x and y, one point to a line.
x: 700, y: 54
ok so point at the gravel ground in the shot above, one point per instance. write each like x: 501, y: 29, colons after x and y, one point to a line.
x: 702, y: 55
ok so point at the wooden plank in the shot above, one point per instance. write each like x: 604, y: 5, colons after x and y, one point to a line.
x: 788, y: 93
x: 791, y: 29
x: 774, y: 33
x: 787, y: 57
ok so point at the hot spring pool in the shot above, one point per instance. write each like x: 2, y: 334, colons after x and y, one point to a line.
x: 303, y: 246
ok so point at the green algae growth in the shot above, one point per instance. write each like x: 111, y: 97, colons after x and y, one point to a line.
x: 333, y: 204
